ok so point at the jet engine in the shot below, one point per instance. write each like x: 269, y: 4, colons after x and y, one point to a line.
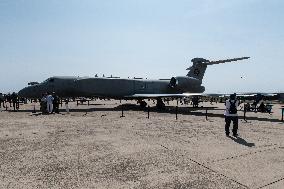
x: 184, y: 83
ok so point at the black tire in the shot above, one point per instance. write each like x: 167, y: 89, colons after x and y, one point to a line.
x: 143, y: 104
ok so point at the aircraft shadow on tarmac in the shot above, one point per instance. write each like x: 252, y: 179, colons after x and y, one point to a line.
x: 168, y: 109
x: 242, y: 141
x: 183, y: 111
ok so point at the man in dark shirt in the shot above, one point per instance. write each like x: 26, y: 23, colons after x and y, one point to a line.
x: 231, y: 115
x: 55, y: 103
x: 14, y: 98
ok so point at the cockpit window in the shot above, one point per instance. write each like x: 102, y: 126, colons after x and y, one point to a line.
x: 49, y: 80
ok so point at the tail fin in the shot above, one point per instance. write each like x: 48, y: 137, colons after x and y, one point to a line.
x: 199, y: 65
x: 198, y: 68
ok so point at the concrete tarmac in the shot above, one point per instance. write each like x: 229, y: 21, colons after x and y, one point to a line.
x: 93, y: 147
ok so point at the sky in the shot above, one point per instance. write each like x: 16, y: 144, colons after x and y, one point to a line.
x: 143, y: 38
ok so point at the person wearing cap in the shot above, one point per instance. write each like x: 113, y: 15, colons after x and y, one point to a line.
x: 231, y: 115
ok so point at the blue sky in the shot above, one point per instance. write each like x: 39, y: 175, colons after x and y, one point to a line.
x: 146, y: 38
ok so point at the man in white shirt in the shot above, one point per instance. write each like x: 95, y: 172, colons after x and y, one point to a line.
x: 49, y: 101
x: 231, y: 115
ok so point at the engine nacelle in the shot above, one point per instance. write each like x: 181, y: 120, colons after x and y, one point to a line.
x: 185, y: 83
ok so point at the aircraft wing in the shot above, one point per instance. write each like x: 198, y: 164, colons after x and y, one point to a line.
x: 251, y: 94
x: 170, y: 95
x: 181, y: 95
x: 263, y: 94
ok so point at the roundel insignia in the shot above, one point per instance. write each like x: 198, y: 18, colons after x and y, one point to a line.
x: 196, y: 71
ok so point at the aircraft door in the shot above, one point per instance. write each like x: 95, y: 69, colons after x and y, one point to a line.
x: 140, y: 87
x: 150, y: 87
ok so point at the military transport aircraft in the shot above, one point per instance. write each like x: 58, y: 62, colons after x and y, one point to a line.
x: 117, y: 88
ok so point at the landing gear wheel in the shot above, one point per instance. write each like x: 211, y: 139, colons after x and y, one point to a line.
x: 142, y: 103
x: 160, y: 104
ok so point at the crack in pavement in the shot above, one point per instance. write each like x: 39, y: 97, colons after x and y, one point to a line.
x: 208, y: 168
x: 271, y: 183
x: 247, y: 154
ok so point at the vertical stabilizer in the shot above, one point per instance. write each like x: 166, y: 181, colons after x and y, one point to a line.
x: 198, y: 68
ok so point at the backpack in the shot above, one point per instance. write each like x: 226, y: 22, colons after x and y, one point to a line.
x: 233, y: 107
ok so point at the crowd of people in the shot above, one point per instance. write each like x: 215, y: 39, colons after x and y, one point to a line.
x: 261, y: 108
x: 13, y: 99
x: 49, y: 103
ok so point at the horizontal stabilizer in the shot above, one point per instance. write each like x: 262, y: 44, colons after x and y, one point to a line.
x: 199, y: 66
x: 205, y: 62
x: 224, y: 61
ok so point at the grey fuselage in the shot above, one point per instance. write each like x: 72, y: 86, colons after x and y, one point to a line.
x: 124, y: 88
x: 110, y: 87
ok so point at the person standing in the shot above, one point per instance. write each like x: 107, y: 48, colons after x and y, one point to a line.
x: 55, y: 103
x: 231, y: 115
x: 8, y: 99
x: 195, y: 101
x: 1, y: 101
x: 14, y: 98
x: 43, y: 105
x: 49, y: 101
x: 66, y: 105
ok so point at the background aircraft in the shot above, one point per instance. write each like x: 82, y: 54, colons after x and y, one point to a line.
x: 117, y: 88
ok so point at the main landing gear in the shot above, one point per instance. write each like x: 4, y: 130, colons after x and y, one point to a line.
x: 142, y: 103
x: 160, y: 104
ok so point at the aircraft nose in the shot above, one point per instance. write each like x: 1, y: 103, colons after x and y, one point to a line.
x: 23, y: 92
